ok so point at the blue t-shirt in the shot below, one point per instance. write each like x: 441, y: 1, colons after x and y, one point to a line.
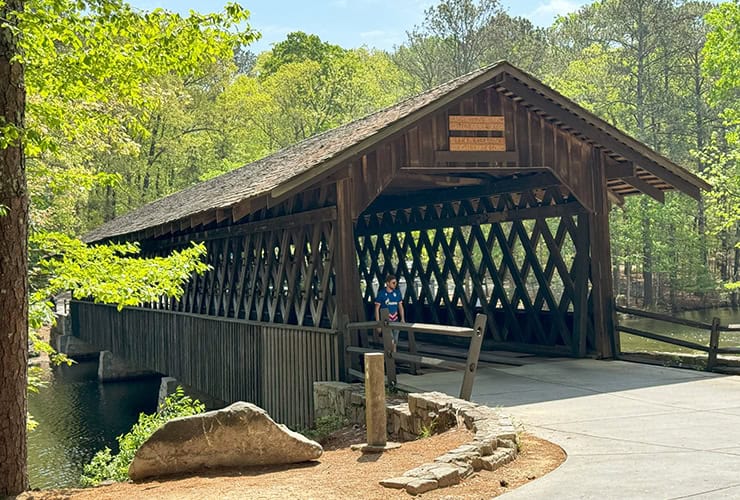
x: 389, y: 300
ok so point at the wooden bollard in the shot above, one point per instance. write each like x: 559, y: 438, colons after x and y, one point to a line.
x: 375, y: 417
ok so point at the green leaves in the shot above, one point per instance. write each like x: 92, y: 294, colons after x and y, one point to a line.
x: 106, y: 466
x: 113, y: 274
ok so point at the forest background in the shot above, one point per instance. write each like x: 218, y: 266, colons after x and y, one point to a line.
x: 666, y: 72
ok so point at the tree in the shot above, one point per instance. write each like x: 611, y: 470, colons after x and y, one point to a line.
x: 459, y: 36
x: 722, y: 64
x: 635, y: 63
x: 77, y: 57
x: 13, y: 258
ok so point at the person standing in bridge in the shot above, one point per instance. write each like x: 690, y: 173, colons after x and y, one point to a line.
x: 389, y: 297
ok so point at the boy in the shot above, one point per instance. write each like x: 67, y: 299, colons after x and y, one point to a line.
x: 389, y: 297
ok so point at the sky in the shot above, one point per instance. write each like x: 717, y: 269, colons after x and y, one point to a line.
x: 350, y: 23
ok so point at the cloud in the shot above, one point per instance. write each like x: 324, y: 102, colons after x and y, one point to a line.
x: 546, y: 12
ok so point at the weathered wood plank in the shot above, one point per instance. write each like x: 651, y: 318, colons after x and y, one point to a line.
x: 477, y: 144
x: 480, y: 123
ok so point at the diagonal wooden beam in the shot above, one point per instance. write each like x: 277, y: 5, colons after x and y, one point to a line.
x: 646, y: 188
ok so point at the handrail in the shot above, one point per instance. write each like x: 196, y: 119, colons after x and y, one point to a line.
x: 470, y: 366
x: 454, y: 331
x: 664, y: 317
x: 712, y: 350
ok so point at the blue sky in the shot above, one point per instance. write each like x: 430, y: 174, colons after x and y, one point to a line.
x: 350, y: 23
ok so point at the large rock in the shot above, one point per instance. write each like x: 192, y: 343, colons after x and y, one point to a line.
x: 239, y: 435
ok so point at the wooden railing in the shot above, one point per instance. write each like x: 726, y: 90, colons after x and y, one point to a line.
x: 271, y: 365
x: 715, y: 329
x: 469, y: 368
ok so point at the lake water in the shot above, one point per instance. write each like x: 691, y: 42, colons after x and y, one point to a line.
x: 77, y: 416
x: 727, y: 315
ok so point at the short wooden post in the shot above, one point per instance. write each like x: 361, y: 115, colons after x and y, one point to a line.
x: 390, y: 362
x: 345, y: 341
x: 713, y: 344
x: 471, y: 365
x: 412, y: 349
x: 375, y: 416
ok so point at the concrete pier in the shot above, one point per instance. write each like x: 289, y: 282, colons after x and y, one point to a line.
x: 168, y: 386
x: 112, y: 368
x: 77, y: 349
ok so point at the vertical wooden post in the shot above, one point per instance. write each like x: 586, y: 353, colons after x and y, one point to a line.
x: 471, y: 365
x: 348, y: 297
x: 713, y: 344
x: 390, y: 362
x: 580, y: 283
x: 607, y: 342
x: 345, y: 341
x: 412, y: 349
x: 375, y: 413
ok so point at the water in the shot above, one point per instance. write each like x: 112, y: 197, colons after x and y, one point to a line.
x: 78, y: 416
x: 633, y: 343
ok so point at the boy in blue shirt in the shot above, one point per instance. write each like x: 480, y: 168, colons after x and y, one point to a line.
x: 390, y: 298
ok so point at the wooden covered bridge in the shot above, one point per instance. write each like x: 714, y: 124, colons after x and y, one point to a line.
x: 489, y: 193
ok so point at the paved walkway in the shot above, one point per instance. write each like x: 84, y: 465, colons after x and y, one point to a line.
x: 630, y: 430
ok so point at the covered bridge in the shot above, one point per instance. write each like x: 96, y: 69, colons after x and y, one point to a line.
x: 489, y: 193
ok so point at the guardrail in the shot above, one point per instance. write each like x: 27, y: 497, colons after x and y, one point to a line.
x: 470, y: 366
x: 715, y: 329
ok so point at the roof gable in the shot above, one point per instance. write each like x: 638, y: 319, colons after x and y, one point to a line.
x: 296, y: 167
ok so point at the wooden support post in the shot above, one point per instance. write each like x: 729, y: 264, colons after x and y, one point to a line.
x: 580, y: 285
x: 348, y: 299
x: 345, y: 357
x: 375, y: 416
x: 390, y: 362
x: 471, y: 366
x: 713, y: 344
x: 607, y: 341
x: 412, y: 350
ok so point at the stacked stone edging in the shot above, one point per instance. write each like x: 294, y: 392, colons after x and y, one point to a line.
x: 494, y: 443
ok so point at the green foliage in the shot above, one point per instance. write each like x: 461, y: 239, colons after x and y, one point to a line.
x: 324, y: 426
x: 428, y: 430
x: 458, y: 36
x: 94, y: 72
x: 107, y: 466
x: 113, y: 273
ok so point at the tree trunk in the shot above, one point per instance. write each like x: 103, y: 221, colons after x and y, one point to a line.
x: 647, y: 253
x: 13, y: 267
x: 736, y: 268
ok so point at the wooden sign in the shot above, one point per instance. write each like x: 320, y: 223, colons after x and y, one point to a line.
x: 477, y: 144
x: 477, y: 123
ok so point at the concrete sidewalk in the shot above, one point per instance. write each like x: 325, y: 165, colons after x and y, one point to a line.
x: 630, y: 430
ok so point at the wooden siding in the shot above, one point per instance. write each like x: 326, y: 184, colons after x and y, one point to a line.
x: 273, y: 366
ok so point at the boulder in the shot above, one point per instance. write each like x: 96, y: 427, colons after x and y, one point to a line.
x: 239, y: 435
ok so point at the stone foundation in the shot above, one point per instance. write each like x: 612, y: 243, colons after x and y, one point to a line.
x: 494, y: 444
x: 168, y: 385
x: 112, y: 368
x: 77, y: 349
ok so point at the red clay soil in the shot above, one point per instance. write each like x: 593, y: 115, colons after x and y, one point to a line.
x: 339, y: 474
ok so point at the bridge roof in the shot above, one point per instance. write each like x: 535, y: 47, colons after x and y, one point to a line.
x: 294, y: 168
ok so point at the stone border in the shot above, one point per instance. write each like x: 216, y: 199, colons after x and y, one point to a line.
x: 495, y: 442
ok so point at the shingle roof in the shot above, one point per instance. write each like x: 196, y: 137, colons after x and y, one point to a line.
x: 285, y: 166
x: 263, y: 175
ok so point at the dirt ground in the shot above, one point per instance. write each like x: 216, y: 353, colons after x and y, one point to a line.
x: 339, y: 474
